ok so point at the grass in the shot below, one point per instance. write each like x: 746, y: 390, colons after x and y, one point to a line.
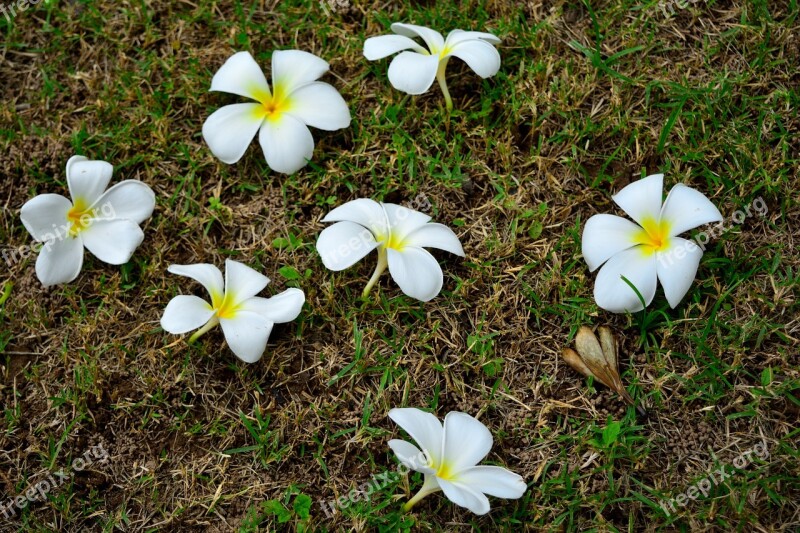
x: 590, y: 97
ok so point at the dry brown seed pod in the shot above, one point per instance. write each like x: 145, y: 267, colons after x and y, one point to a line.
x: 574, y: 360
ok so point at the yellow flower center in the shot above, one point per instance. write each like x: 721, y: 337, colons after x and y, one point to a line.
x: 391, y: 241
x: 273, y: 105
x: 224, y: 305
x: 78, y: 211
x: 654, y: 236
x: 444, y: 471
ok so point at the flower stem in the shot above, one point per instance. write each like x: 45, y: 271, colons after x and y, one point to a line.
x: 430, y: 486
x: 383, y: 262
x: 443, y: 83
x: 210, y: 324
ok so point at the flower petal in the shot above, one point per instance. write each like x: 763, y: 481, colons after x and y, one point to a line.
x: 411, y: 456
x: 247, y: 335
x: 321, y: 106
x: 466, y: 441
x: 413, y: 73
x: 423, y: 427
x: 112, y: 241
x: 416, y: 272
x: 432, y: 38
x: 494, y: 481
x: 230, y: 130
x: 291, y: 69
x: 613, y: 294
x: 459, y: 36
x: 185, y: 313
x: 386, y: 45
x: 677, y: 267
x: 465, y: 496
x: 281, y: 308
x: 434, y: 235
x: 642, y: 199
x: 87, y: 179
x: 686, y: 208
x: 481, y: 56
x: 129, y: 199
x: 605, y: 236
x: 345, y: 243
x: 241, y: 75
x: 403, y: 220
x: 59, y: 261
x: 45, y: 215
x: 242, y: 282
x: 207, y: 275
x: 364, y: 211
x: 287, y: 144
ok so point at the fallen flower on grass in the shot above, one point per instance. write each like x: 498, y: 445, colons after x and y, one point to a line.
x: 282, y: 115
x: 453, y: 452
x: 599, y: 360
x: 649, y: 250
x: 106, y: 223
x: 413, y: 72
x: 400, y: 235
x: 245, y: 318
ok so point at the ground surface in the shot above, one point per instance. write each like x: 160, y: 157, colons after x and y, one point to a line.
x: 587, y: 99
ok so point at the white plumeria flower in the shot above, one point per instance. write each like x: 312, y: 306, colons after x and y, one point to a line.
x: 107, y: 223
x: 399, y: 234
x: 413, y: 72
x: 648, y: 250
x: 451, y: 455
x: 282, y: 115
x: 246, y: 319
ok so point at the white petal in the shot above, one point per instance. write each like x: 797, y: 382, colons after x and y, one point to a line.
x: 87, y: 179
x: 481, y: 56
x: 423, y: 427
x: 434, y: 235
x: 207, y: 275
x: 287, y: 144
x: 60, y: 261
x: 242, y: 282
x: 230, y: 130
x: 613, y: 294
x: 185, y: 313
x: 403, y: 220
x: 129, y: 199
x: 416, y: 272
x: 386, y: 45
x: 291, y: 69
x: 677, y: 267
x: 605, y: 236
x: 247, y: 335
x: 411, y: 456
x: 281, y: 308
x: 413, y: 73
x: 494, y: 481
x: 465, y: 496
x: 642, y: 199
x: 432, y: 38
x: 112, y: 241
x: 241, y: 75
x: 364, y: 211
x: 345, y: 243
x: 321, y: 106
x: 466, y: 441
x: 686, y: 208
x: 45, y: 215
x: 458, y: 36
